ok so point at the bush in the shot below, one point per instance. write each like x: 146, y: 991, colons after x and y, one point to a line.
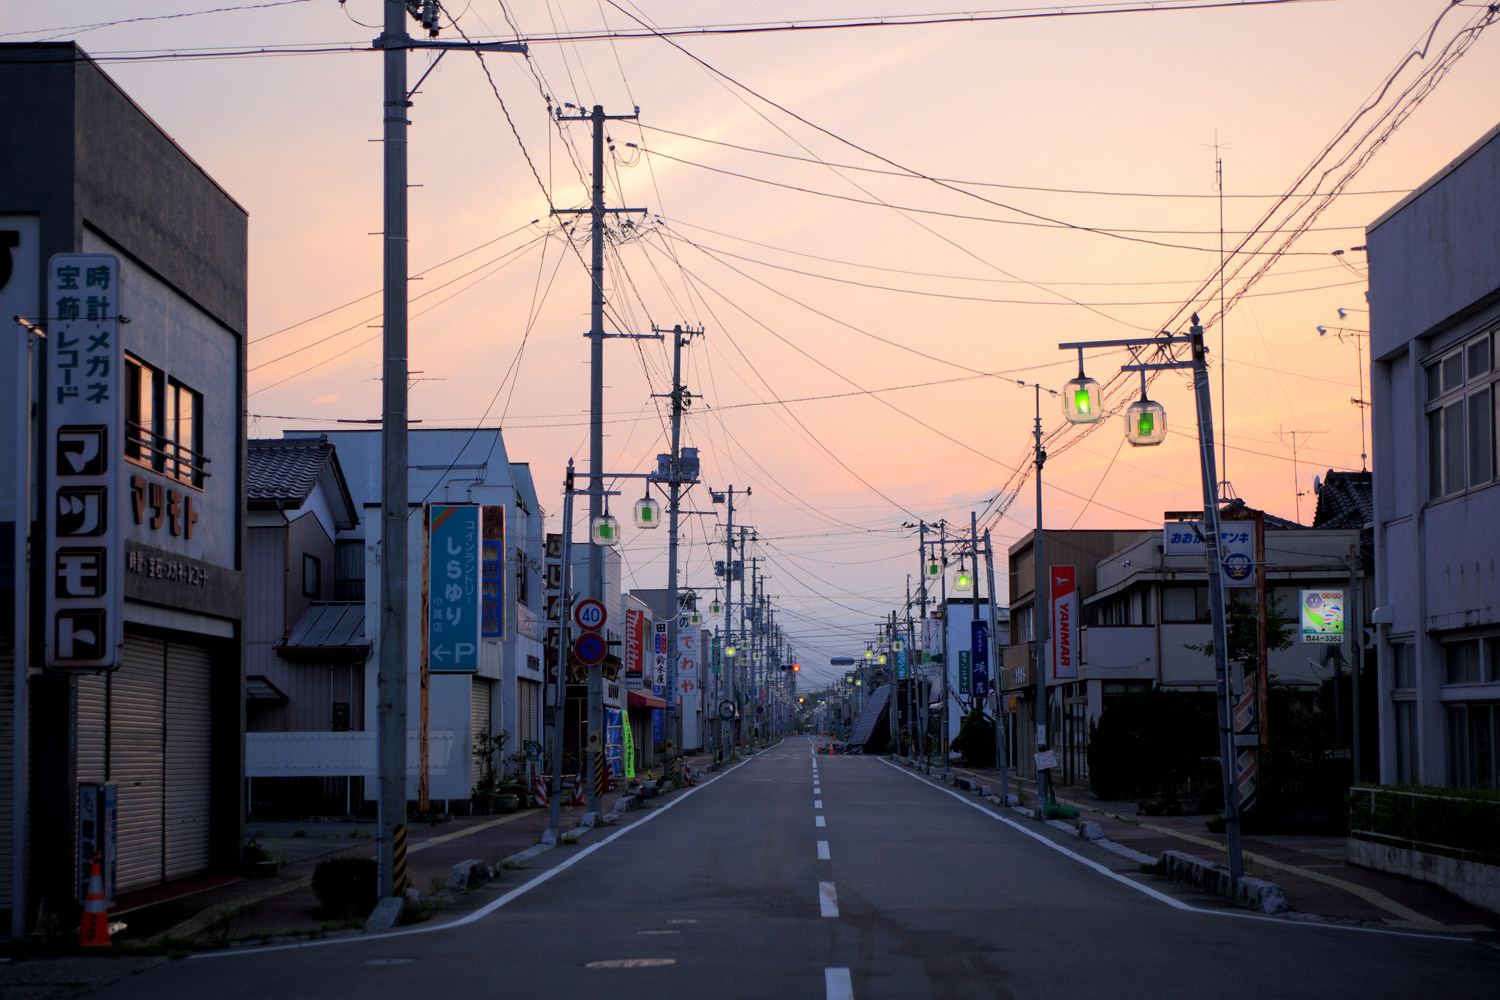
x: 345, y: 887
x: 976, y: 739
x: 1452, y: 821
x: 1153, y: 741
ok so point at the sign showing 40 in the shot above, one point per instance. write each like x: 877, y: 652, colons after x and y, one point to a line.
x: 589, y: 615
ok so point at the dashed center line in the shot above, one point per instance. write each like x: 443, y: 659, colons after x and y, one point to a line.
x: 828, y: 899
x: 823, y: 850
x: 818, y: 821
x: 817, y: 803
x: 838, y: 984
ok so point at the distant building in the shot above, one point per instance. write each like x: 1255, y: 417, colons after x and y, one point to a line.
x: 83, y: 170
x: 1434, y: 316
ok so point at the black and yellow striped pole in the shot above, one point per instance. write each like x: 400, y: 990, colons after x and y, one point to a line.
x: 599, y: 766
x: 399, y: 878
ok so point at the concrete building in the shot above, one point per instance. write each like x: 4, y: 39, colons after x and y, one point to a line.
x: 1434, y: 316
x: 159, y: 317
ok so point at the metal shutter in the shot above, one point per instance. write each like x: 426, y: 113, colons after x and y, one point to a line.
x: 528, y: 711
x: 136, y: 745
x: 188, y: 791
x: 479, y: 721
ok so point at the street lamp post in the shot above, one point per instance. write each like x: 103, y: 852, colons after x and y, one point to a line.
x: 1039, y: 608
x: 1199, y: 366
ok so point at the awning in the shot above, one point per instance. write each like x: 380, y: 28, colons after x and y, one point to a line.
x: 643, y: 699
x: 328, y: 630
x: 258, y: 688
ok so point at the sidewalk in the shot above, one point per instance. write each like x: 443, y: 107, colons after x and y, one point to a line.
x: 1311, y: 870
x: 214, y: 910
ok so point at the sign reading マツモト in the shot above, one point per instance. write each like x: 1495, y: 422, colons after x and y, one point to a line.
x: 85, y: 484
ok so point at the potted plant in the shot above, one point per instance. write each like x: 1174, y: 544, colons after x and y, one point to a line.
x: 509, y: 793
x: 486, y: 751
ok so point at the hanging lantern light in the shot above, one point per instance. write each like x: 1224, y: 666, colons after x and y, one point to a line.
x: 716, y: 607
x: 1145, y: 420
x: 898, y: 645
x: 647, y: 512
x: 604, y: 530
x: 963, y: 581
x: 694, y: 618
x: 934, y: 568
x: 729, y: 649
x: 1081, y: 397
x: 881, y: 659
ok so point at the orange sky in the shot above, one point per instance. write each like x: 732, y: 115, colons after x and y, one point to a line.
x: 863, y: 330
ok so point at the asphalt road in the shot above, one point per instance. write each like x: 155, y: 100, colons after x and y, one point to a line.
x: 794, y: 876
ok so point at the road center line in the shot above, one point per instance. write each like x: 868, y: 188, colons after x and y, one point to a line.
x: 817, y: 803
x: 818, y: 821
x: 828, y: 899
x: 823, y: 850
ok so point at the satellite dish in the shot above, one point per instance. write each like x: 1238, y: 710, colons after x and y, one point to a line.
x: 1317, y: 484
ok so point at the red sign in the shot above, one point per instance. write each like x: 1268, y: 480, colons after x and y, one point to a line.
x: 1064, y: 622
x: 635, y: 644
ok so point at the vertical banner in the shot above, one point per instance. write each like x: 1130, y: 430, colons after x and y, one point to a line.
x: 552, y: 589
x: 614, y: 741
x: 635, y: 647
x: 965, y: 672
x: 492, y: 573
x: 453, y: 584
x: 659, y: 660
x: 979, y: 647
x: 1064, y: 623
x: 85, y: 408
x: 901, y: 668
x: 685, y: 683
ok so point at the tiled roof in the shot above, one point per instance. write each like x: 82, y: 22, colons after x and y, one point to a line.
x: 284, y: 470
x: 1345, y: 500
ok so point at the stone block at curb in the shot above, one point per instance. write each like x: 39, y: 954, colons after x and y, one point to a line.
x: 1257, y: 894
x: 549, y: 837
x: 414, y: 899
x: 589, y: 821
x: 387, y: 914
x: 1013, y: 799
x: 467, y: 875
x: 984, y: 791
x: 1089, y: 830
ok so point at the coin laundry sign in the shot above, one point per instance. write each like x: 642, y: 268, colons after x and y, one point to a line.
x: 453, y: 588
x: 1322, y: 616
x: 85, y: 480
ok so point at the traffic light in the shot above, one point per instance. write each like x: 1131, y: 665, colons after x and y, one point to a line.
x: 794, y: 667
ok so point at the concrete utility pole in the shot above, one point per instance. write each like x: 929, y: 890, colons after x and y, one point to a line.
x: 1002, y: 741
x: 597, y: 211
x: 681, y: 398
x: 390, y: 707
x: 730, y: 663
x: 1039, y: 604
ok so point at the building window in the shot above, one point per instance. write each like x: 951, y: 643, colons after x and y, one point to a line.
x: 312, y: 576
x: 349, y: 569
x: 1406, y: 742
x: 163, y: 423
x: 1471, y: 744
x: 1461, y: 662
x: 1462, y: 397
x: 523, y: 577
x: 1403, y: 666
x: 1184, y: 604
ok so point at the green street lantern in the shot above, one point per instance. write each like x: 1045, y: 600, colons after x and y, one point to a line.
x: 694, y: 618
x: 1145, y: 420
x: 647, y: 513
x: 604, y: 530
x: 729, y: 649
x: 934, y: 569
x: 1081, y: 400
x: 880, y: 659
x: 869, y: 654
x: 898, y: 645
x: 715, y: 608
x: 963, y: 582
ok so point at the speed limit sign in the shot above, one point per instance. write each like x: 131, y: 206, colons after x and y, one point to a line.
x: 589, y: 615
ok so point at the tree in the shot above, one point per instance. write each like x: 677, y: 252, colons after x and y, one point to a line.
x: 1280, y: 631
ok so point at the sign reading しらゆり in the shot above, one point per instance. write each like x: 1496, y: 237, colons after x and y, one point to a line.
x: 85, y: 417
x: 453, y: 588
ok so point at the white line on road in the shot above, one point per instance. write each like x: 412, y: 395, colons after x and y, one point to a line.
x: 1161, y: 897
x: 828, y: 899
x: 817, y: 803
x: 818, y: 821
x: 838, y: 984
x: 823, y: 850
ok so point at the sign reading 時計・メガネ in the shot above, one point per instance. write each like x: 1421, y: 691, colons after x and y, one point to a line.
x: 1322, y: 616
x: 453, y: 588
x: 85, y: 415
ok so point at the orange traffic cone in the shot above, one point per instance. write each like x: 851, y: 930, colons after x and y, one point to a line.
x: 687, y: 774
x: 577, y: 799
x: 94, y: 931
x: 539, y: 792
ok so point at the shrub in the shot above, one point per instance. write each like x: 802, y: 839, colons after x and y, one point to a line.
x: 1457, y: 822
x: 976, y: 739
x: 1150, y: 741
x: 345, y: 887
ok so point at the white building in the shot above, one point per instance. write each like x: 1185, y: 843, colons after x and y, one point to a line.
x: 1434, y: 316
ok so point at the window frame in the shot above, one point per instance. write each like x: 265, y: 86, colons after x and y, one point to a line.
x: 155, y: 438
x: 1460, y: 404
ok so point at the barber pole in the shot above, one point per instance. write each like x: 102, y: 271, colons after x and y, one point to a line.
x: 1246, y: 741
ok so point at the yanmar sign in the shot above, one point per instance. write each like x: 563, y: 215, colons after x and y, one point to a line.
x: 1064, y: 622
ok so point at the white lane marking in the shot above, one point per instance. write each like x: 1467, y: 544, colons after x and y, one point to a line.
x: 838, y: 984
x: 823, y: 850
x: 677, y: 799
x: 828, y: 899
x: 817, y: 803
x: 818, y: 821
x: 1161, y: 897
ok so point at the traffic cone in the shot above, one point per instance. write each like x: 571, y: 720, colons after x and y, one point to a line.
x: 539, y: 792
x: 577, y: 799
x: 94, y: 931
x: 687, y: 774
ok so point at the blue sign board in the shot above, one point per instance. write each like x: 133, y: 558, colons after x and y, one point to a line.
x: 453, y: 588
x: 901, y: 665
x: 979, y: 647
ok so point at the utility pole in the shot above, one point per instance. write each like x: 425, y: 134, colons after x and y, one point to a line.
x: 597, y: 212
x: 1002, y: 739
x: 731, y: 663
x: 391, y: 685
x: 680, y: 399
x: 921, y: 616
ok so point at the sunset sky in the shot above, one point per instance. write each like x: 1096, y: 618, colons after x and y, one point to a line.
x: 879, y: 225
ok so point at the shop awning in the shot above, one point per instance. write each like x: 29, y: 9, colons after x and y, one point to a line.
x: 328, y: 630
x: 644, y: 699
